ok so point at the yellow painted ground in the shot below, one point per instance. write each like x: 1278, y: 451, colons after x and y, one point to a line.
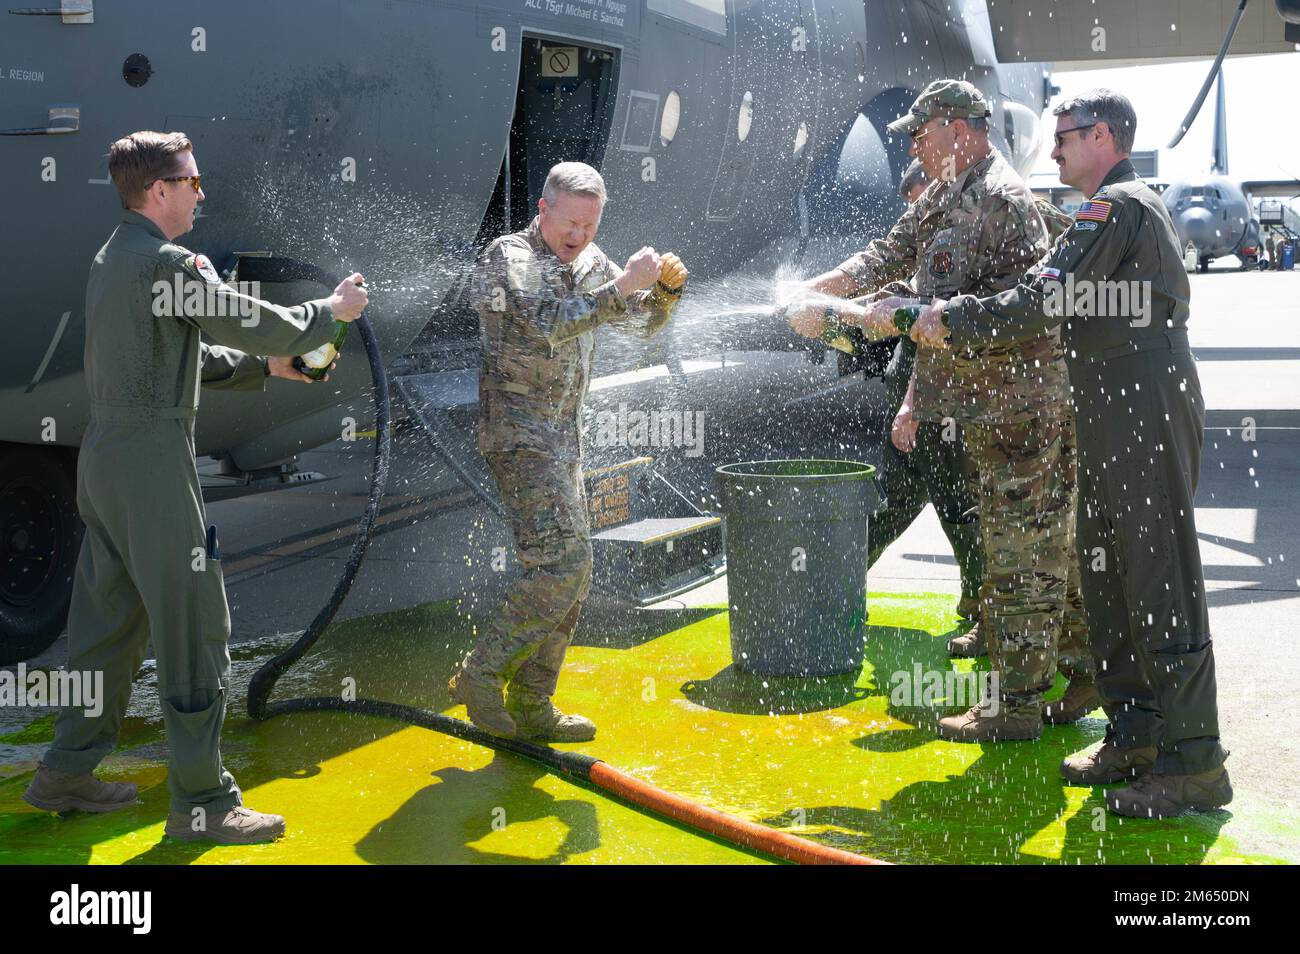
x: 830, y: 759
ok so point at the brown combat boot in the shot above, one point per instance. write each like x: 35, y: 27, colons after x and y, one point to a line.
x: 968, y: 607
x: 969, y: 644
x: 482, y: 700
x: 1156, y: 795
x: 56, y: 791
x: 1107, y: 762
x: 1080, y: 698
x: 236, y: 826
x: 538, y: 719
x: 981, y: 724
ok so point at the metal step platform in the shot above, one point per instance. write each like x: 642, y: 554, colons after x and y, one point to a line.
x: 647, y: 544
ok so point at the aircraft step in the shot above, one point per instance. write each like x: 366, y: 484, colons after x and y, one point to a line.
x: 652, y: 559
x: 645, y: 549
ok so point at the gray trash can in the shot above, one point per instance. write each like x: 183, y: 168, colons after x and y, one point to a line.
x: 795, y: 533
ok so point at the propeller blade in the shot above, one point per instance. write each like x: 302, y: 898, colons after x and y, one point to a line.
x: 1209, y: 78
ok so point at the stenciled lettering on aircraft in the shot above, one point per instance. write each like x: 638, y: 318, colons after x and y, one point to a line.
x: 20, y: 75
x: 604, y: 12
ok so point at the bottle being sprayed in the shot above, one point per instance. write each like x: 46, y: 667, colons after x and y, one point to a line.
x: 844, y: 338
x: 316, y: 363
x: 905, y: 318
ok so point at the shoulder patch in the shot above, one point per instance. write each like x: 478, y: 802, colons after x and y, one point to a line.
x: 1095, y: 210
x: 203, y: 266
x: 1085, y: 226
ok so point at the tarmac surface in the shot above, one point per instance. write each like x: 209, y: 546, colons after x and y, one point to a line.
x: 284, y: 550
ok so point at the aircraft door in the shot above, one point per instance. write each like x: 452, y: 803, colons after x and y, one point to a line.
x: 563, y: 109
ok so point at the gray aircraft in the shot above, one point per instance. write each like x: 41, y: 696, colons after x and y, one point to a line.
x: 396, y: 138
x: 1212, y: 213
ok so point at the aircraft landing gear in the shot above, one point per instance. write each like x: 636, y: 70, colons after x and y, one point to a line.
x: 40, y: 535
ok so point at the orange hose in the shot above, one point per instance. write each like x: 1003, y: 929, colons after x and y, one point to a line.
x: 736, y: 830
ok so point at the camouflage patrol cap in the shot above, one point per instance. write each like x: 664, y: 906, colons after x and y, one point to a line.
x: 947, y: 98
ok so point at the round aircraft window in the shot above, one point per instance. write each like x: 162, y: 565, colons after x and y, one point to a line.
x: 671, y: 117
x: 136, y: 70
x: 746, y: 117
x: 800, y: 139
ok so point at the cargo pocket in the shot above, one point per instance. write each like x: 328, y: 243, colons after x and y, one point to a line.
x: 212, y: 611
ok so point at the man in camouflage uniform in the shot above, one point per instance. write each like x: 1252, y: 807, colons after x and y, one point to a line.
x: 1141, y: 416
x: 977, y: 227
x: 540, y: 295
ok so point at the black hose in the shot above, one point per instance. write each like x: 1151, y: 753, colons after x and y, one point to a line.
x: 264, y: 680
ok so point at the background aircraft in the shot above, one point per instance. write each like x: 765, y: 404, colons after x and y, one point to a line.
x: 1213, y: 212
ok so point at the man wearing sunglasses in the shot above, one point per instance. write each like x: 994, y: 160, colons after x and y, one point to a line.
x: 977, y: 229
x: 149, y: 571
x: 1141, y: 418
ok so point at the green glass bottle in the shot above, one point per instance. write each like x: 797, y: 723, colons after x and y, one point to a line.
x: 905, y: 318
x: 316, y: 363
x: 846, y: 338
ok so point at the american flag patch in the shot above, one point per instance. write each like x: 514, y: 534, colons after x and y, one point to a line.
x: 1095, y: 210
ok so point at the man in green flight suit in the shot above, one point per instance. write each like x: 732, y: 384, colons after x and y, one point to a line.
x: 1119, y: 291
x: 148, y: 571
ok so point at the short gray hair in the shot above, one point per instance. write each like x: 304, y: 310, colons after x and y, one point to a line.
x: 1103, y: 106
x: 575, y: 178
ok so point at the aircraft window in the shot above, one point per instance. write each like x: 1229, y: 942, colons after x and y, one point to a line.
x: 709, y: 15
x: 746, y: 119
x: 671, y: 118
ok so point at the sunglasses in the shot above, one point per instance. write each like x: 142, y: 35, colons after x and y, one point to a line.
x: 918, y: 136
x: 1060, y: 136
x: 192, y: 180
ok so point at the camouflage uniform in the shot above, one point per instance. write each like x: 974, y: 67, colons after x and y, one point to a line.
x: 537, y: 319
x: 983, y: 231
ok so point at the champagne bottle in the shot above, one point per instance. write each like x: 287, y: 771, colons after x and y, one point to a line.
x: 316, y: 363
x: 904, y: 318
x: 846, y: 338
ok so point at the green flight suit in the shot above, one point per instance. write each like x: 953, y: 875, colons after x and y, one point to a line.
x: 143, y: 573
x: 1140, y: 419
